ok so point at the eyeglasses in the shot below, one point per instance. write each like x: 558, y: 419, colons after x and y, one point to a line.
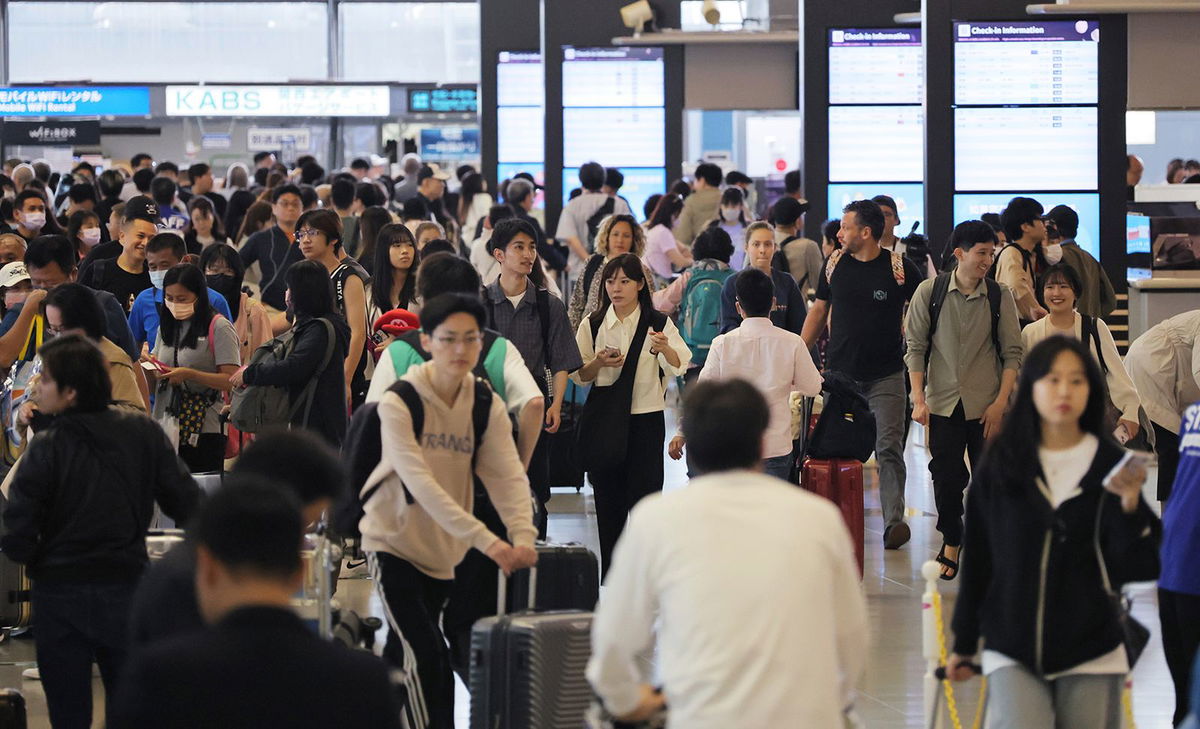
x: 469, y: 340
x: 306, y: 233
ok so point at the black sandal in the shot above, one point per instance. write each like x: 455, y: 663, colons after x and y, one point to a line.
x: 945, y: 561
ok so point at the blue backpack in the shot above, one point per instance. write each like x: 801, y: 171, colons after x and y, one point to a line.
x: 700, y: 311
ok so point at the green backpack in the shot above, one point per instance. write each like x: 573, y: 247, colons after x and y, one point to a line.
x: 700, y: 311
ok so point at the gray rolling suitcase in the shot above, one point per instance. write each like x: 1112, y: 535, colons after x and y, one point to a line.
x: 527, y: 669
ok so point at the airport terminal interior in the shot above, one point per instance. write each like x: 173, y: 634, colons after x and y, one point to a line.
x: 275, y: 220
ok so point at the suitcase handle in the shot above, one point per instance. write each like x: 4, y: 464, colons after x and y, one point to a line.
x: 502, y: 592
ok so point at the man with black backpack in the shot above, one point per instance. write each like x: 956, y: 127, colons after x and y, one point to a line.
x: 867, y: 291
x: 417, y: 524
x: 1016, y: 264
x: 535, y: 322
x: 964, y: 351
x: 581, y: 217
x: 799, y: 256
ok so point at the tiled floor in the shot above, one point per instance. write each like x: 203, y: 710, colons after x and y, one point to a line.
x: 892, y: 691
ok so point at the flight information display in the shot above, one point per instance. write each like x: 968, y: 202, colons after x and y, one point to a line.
x: 876, y: 143
x: 520, y: 116
x: 613, y: 111
x: 613, y: 77
x: 876, y: 66
x: 1052, y: 62
x: 909, y: 197
x: 1035, y: 148
x: 1086, y: 205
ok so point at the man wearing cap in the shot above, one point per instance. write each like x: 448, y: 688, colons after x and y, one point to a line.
x: 14, y: 284
x: 801, y: 255
x: 431, y: 186
x: 126, y: 276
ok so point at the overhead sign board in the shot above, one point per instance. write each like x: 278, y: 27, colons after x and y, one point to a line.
x: 52, y: 133
x: 437, y: 99
x: 450, y: 143
x: 273, y: 139
x: 75, y: 101
x: 278, y: 101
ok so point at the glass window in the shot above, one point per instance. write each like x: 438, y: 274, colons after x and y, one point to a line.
x: 691, y: 17
x: 410, y: 41
x: 167, y: 41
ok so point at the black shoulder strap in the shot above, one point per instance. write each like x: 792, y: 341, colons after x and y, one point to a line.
x: 779, y: 261
x: 941, y: 287
x: 412, y: 401
x: 589, y: 273
x: 543, y: 312
x: 1091, y: 335
x: 481, y: 412
x: 489, y: 340
x: 993, y: 294
x: 595, y: 325
x: 412, y: 338
x: 598, y: 217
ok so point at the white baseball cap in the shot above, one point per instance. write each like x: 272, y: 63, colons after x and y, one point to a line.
x: 13, y: 274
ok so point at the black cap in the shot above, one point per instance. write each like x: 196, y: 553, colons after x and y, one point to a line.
x: 886, y: 201
x: 787, y: 210
x: 738, y: 178
x: 141, y: 207
x: 529, y: 177
x: 613, y: 178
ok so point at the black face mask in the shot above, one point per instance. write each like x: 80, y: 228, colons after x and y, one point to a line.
x: 223, y: 283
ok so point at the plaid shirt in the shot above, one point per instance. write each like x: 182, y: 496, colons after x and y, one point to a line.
x: 523, y: 327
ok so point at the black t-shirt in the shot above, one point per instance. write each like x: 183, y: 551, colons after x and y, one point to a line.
x: 107, y: 275
x: 865, y: 336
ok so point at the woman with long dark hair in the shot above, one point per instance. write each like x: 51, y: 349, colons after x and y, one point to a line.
x: 1055, y: 524
x: 394, y: 285
x: 665, y: 254
x: 370, y: 222
x: 224, y: 272
x: 198, y: 350
x: 629, y: 351
x: 474, y: 201
x: 206, y: 228
x: 83, y: 228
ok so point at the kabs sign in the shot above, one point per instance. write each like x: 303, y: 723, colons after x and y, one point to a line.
x: 278, y: 101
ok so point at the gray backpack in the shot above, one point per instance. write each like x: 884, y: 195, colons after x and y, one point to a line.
x: 256, y: 408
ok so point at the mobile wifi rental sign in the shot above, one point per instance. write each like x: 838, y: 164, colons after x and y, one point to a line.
x: 278, y: 101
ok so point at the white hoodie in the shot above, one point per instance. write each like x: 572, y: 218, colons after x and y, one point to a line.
x: 435, y: 532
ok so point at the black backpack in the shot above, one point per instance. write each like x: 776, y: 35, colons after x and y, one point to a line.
x: 363, y: 448
x: 593, y: 223
x: 846, y: 426
x: 941, y: 287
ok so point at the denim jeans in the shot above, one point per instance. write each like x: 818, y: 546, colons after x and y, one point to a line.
x: 73, y: 625
x: 778, y: 466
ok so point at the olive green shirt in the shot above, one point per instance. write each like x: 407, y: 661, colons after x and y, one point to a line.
x: 963, y: 364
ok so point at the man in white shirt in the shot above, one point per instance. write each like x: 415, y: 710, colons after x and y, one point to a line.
x: 575, y: 225
x: 774, y: 359
x: 762, y: 570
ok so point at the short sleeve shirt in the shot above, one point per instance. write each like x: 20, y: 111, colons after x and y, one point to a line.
x: 866, y: 338
x: 225, y: 350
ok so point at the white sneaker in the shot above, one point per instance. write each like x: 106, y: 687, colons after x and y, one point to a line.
x: 32, y: 674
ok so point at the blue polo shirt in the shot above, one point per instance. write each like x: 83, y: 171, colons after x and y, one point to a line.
x: 143, y: 315
x: 1181, y: 515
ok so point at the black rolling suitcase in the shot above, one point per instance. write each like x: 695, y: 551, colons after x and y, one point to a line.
x: 527, y: 669
x: 568, y: 578
x: 12, y: 709
x: 565, y: 468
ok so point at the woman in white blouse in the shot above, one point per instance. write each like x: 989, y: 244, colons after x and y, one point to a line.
x: 1058, y: 291
x: 622, y: 429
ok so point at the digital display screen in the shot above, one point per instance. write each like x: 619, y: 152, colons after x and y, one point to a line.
x: 612, y: 77
x: 1086, y: 205
x: 1053, y: 62
x: 613, y: 112
x: 435, y: 99
x: 450, y: 143
x: 519, y: 79
x: 75, y: 101
x: 618, y: 137
x: 1137, y: 233
x: 909, y: 197
x: 878, y: 143
x: 1043, y: 148
x: 520, y: 117
x: 876, y: 66
x: 639, y: 185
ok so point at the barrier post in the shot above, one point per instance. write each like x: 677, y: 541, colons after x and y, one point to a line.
x: 929, y: 644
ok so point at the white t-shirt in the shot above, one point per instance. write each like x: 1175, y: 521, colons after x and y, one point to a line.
x: 1064, y: 469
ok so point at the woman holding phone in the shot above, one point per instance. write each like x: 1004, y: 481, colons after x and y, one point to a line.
x: 629, y: 352
x: 1055, y: 516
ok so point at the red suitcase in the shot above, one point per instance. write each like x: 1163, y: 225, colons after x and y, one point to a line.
x: 841, y: 481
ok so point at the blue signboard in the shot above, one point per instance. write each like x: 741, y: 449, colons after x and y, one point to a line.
x: 450, y: 143
x: 443, y: 100
x: 75, y: 101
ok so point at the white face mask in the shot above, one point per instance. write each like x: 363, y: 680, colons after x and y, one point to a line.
x: 90, y: 236
x: 33, y: 221
x: 730, y: 214
x: 1053, y: 253
x: 157, y: 278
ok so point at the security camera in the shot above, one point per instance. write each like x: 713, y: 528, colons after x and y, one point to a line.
x: 710, y: 11
x: 638, y: 15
